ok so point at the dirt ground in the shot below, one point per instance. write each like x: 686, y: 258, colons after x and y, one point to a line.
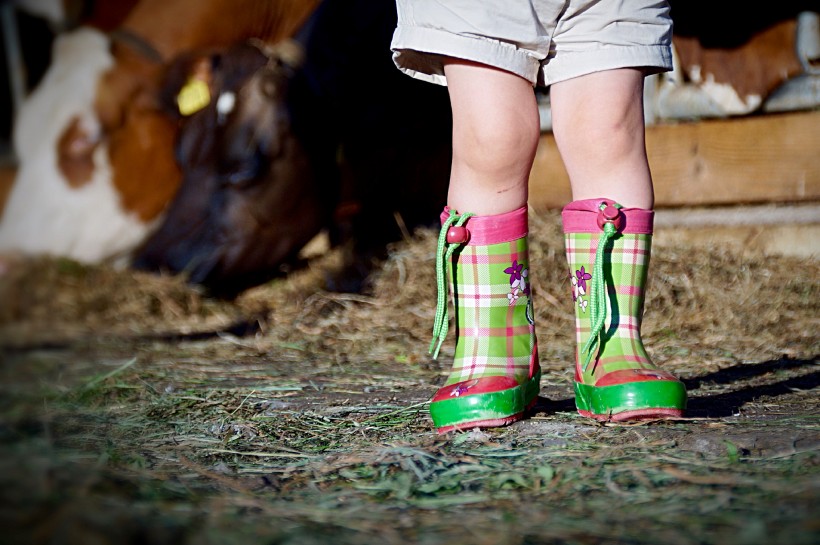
x: 134, y: 409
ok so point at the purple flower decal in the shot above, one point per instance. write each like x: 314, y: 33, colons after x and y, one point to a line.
x: 459, y: 389
x: 514, y: 271
x: 582, y: 277
x: 518, y: 281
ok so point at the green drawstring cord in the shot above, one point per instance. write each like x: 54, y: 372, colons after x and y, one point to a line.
x: 597, y: 296
x: 443, y: 255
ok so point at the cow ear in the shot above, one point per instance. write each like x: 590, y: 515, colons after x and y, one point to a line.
x: 286, y: 56
x: 196, y: 93
x: 188, y: 83
x: 290, y: 53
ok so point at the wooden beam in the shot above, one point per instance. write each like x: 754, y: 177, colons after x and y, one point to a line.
x: 768, y: 158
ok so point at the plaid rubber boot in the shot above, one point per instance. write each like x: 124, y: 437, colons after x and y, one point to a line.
x: 495, y: 375
x: 608, y: 249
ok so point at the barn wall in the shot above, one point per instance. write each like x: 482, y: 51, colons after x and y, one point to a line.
x: 768, y: 158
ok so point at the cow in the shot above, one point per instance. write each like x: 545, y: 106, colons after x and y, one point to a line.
x: 267, y: 172
x: 95, y: 147
x: 64, y: 172
x: 729, y: 60
x: 111, y: 170
x: 76, y: 63
x: 250, y: 196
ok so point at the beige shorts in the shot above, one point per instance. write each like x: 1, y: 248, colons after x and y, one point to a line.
x: 544, y: 41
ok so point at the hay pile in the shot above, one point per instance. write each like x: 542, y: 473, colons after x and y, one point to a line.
x: 705, y: 306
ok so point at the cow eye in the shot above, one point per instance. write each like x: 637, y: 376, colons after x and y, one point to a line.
x: 245, y: 171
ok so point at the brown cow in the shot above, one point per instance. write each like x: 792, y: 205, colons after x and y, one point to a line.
x: 249, y: 199
x: 126, y: 95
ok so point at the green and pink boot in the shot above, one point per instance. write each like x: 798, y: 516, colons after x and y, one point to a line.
x: 495, y: 375
x: 608, y: 250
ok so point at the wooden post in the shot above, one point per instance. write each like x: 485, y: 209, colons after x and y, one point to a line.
x: 766, y: 158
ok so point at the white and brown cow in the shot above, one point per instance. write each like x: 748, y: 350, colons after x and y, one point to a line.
x: 244, y: 207
x: 96, y: 164
x: 729, y: 59
x: 62, y: 201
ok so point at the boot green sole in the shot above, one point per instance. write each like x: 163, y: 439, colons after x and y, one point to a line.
x: 631, y: 400
x: 485, y: 410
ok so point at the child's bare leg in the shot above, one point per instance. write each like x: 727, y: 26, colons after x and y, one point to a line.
x: 598, y: 124
x: 495, y: 374
x: 495, y: 134
x: 599, y: 128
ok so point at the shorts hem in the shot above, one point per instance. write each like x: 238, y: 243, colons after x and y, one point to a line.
x: 568, y: 65
x: 420, y: 52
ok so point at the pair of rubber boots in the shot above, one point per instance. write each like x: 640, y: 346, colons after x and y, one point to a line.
x: 495, y: 376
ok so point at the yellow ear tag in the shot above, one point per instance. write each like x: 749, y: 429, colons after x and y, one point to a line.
x: 194, y: 96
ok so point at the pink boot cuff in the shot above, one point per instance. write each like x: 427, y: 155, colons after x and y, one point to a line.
x: 494, y: 229
x: 582, y: 217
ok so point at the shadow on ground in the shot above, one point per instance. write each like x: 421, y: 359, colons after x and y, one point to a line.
x: 722, y: 404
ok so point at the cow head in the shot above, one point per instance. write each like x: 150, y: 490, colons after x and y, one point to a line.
x: 248, y: 200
